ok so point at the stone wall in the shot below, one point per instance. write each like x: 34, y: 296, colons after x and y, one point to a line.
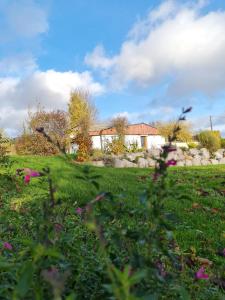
x: 188, y: 157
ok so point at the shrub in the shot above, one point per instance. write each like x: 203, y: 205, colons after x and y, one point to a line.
x: 116, y: 146
x: 84, y: 146
x: 193, y: 145
x: 54, y: 124
x: 209, y: 140
x: 97, y: 154
x: 34, y: 144
x: 222, y: 143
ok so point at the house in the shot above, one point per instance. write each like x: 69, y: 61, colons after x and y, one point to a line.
x: 142, y: 134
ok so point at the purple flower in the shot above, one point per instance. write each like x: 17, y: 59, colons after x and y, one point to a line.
x: 200, y: 274
x: 171, y: 162
x: 79, y: 210
x: 7, y: 246
x: 58, y: 227
x: 28, y: 173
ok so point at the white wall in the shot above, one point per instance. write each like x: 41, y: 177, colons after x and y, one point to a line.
x: 155, y: 141
x: 130, y: 139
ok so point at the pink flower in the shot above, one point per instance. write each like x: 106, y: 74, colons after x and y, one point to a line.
x: 7, y: 246
x: 200, y: 274
x: 58, y: 227
x: 27, y: 179
x: 171, y: 162
x: 79, y: 210
x: 30, y: 173
x: 34, y: 174
x: 155, y: 176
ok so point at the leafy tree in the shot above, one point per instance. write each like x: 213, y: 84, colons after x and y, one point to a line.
x: 118, y: 144
x: 82, y: 114
x: 4, y: 141
x: 210, y: 140
x: 120, y: 124
x: 54, y: 123
x: 166, y: 128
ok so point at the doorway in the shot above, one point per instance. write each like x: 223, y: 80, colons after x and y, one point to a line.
x: 144, y: 142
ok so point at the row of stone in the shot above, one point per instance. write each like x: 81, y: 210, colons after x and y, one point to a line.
x: 191, y: 157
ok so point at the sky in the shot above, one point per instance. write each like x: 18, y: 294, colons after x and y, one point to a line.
x: 141, y: 59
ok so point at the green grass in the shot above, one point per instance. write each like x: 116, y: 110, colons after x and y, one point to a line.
x: 200, y: 211
x: 202, y: 227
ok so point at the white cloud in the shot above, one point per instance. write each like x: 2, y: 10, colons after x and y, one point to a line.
x: 98, y: 59
x: 50, y: 88
x: 175, y: 41
x: 20, y: 64
x: 148, y: 115
x: 26, y: 18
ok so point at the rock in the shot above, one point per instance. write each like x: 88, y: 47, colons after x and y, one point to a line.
x: 188, y: 162
x: 130, y: 156
x: 204, y: 153
x: 218, y: 154
x: 118, y: 163
x: 123, y: 163
x: 151, y: 162
x: 129, y: 164
x: 142, y: 162
x: 180, y: 163
x: 194, y: 152
x: 222, y: 161
x: 214, y: 161
x: 221, y: 151
x: 172, y: 155
x: 154, y: 152
x: 196, y: 162
x: 205, y: 162
x: 98, y: 163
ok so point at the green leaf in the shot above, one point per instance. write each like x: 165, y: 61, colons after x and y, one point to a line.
x: 25, y: 280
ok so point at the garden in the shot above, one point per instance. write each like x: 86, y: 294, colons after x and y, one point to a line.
x: 74, y: 231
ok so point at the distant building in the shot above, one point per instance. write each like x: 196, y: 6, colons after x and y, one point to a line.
x: 143, y: 135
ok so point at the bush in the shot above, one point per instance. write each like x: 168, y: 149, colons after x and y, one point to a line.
x: 223, y: 143
x: 116, y: 146
x: 209, y: 140
x: 97, y: 154
x: 34, y: 144
x: 84, y: 146
x: 193, y: 145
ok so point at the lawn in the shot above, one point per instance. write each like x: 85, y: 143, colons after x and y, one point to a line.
x: 197, y: 199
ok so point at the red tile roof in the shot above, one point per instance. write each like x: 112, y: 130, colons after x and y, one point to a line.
x: 133, y: 129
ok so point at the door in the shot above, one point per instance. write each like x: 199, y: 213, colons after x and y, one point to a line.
x: 144, y: 142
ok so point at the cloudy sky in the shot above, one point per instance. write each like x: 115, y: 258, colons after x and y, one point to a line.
x: 143, y: 59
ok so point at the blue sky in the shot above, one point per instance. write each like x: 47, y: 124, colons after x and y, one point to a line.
x: 142, y: 59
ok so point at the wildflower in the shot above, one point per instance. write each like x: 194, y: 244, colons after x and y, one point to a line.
x: 155, y: 176
x: 27, y: 179
x: 200, y: 274
x: 171, y: 162
x: 161, y: 269
x: 79, y: 210
x: 28, y: 174
x: 58, y: 227
x: 7, y: 246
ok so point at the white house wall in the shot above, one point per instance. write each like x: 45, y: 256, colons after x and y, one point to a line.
x: 155, y: 141
x: 152, y: 140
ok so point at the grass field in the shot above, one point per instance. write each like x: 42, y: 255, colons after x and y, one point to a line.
x: 200, y: 211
